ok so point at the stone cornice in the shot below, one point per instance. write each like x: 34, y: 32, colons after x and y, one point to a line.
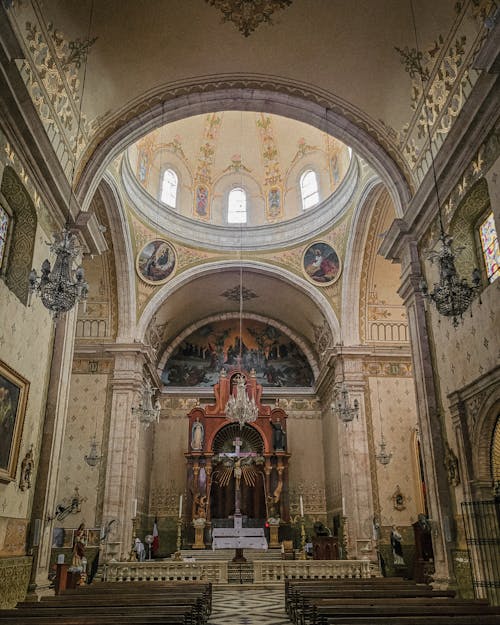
x: 287, y: 233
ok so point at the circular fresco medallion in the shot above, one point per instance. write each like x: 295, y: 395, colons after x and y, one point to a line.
x: 321, y: 264
x: 155, y: 263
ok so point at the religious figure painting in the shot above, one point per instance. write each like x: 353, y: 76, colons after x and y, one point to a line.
x: 276, y: 359
x: 321, y: 264
x: 13, y: 397
x: 156, y: 262
x: 201, y: 201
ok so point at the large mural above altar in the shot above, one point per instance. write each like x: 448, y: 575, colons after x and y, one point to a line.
x: 276, y: 359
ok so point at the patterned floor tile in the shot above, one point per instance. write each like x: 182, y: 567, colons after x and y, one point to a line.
x: 248, y: 607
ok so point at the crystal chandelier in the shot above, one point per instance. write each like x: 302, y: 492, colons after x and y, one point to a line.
x: 60, y: 287
x: 93, y: 458
x: 342, y: 404
x: 146, y: 411
x: 240, y: 407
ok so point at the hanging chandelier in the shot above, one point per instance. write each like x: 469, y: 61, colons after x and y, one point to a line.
x: 146, y: 411
x: 383, y: 457
x: 93, y: 458
x: 240, y: 407
x: 342, y: 405
x: 452, y: 295
x: 60, y: 287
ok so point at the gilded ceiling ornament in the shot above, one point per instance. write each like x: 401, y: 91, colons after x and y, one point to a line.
x: 248, y: 14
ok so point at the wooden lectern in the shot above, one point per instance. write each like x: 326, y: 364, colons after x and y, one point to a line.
x: 325, y: 548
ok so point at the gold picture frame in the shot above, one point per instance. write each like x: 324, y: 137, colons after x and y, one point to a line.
x: 13, y: 398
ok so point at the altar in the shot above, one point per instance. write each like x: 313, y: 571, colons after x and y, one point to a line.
x: 238, y: 537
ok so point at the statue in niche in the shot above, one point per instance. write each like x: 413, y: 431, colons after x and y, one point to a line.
x: 451, y: 465
x: 26, y: 470
x: 279, y: 435
x: 200, y: 506
x: 197, y: 435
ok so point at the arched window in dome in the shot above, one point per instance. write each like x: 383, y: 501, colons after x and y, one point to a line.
x: 237, y: 206
x: 169, y: 187
x: 309, y: 189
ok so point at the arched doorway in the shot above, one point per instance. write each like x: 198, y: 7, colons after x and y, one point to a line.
x: 248, y: 442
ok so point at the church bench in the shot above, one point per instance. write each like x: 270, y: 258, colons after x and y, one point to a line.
x: 479, y: 619
x: 153, y: 603
x: 323, y: 615
x: 95, y: 619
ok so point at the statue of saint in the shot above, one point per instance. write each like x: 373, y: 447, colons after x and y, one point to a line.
x: 397, y: 549
x: 197, y: 435
x: 79, y: 542
x: 279, y: 435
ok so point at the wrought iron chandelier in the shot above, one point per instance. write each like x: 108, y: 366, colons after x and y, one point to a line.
x: 240, y: 407
x: 452, y: 295
x: 146, y: 411
x: 342, y: 404
x: 60, y: 287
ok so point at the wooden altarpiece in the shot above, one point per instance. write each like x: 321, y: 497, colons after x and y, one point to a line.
x: 204, y: 425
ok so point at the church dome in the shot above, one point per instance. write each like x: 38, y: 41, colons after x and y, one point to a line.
x: 205, y: 177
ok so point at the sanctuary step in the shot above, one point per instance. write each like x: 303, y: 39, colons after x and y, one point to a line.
x: 228, y: 554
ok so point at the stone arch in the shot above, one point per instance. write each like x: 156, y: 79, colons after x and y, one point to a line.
x: 286, y: 276
x: 22, y: 240
x: 124, y: 257
x: 464, y: 225
x: 482, y: 437
x: 260, y: 94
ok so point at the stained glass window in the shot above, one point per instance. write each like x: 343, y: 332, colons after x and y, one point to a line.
x: 237, y: 206
x: 309, y: 189
x: 491, y: 250
x: 169, y: 188
x: 4, y: 229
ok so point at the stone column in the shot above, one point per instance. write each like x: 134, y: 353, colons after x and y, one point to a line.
x: 123, y: 446
x: 357, y: 498
x: 49, y: 466
x: 430, y: 420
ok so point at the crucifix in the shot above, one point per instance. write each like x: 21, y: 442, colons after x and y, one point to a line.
x: 237, y: 463
x: 240, y: 464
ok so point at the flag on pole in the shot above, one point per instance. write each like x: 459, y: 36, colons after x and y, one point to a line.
x: 156, y: 538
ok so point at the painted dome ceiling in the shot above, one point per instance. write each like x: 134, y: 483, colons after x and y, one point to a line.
x: 264, y: 154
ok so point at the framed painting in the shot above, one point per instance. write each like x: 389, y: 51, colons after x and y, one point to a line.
x: 156, y: 262
x: 13, y: 398
x: 321, y: 264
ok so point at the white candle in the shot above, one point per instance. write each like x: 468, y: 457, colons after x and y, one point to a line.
x: 301, y: 506
x: 343, y: 506
x: 180, y: 506
x: 134, y: 508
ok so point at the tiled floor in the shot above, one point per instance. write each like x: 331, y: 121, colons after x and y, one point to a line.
x: 248, y: 607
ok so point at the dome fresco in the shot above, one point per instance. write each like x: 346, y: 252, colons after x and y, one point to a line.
x: 206, y: 156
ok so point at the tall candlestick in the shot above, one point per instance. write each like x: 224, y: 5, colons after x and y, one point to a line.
x: 301, y: 506
x: 180, y: 506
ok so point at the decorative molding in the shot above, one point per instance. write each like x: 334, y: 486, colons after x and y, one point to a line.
x: 14, y: 578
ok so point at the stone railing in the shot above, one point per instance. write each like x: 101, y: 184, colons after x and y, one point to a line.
x: 209, y: 571
x: 268, y: 571
x: 216, y: 570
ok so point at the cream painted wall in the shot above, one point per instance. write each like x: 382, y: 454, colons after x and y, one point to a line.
x: 26, y: 347
x: 87, y: 415
x: 398, y: 415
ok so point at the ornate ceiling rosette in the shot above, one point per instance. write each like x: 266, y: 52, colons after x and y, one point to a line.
x: 248, y: 14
